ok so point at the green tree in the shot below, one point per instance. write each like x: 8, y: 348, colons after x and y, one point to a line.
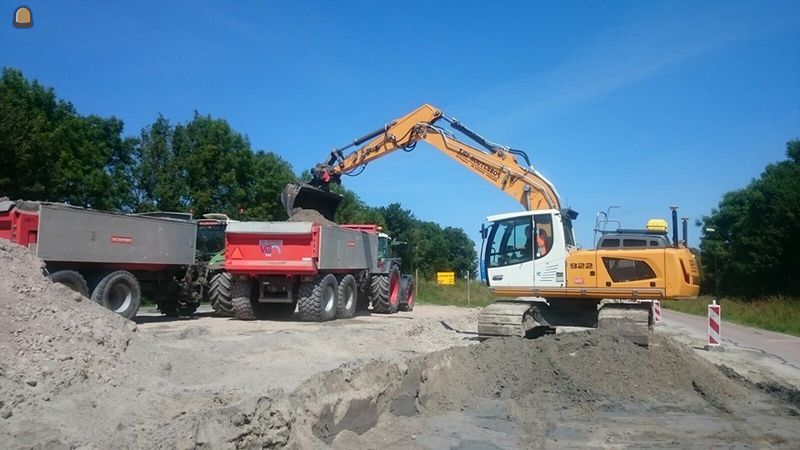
x: 270, y: 174
x: 158, y: 185
x: 52, y: 153
x: 206, y: 166
x: 353, y: 210
x: 754, y: 241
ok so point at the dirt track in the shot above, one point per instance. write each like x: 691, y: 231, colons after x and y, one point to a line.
x: 74, y: 375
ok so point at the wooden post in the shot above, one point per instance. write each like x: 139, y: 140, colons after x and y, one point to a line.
x: 416, y: 281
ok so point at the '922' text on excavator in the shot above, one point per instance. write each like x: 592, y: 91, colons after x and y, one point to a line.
x: 529, y: 259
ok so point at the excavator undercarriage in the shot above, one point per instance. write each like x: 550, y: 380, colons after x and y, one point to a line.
x: 532, y: 317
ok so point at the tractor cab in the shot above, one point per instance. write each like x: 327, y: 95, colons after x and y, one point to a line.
x: 211, y: 236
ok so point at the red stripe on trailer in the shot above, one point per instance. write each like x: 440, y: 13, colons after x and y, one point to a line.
x: 656, y: 311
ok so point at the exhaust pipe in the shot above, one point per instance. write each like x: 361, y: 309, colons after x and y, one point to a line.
x: 674, y: 225
x: 685, y: 231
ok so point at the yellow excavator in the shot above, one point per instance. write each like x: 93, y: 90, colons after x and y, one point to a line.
x: 529, y: 258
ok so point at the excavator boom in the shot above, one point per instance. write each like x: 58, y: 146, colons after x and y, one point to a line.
x: 496, y: 164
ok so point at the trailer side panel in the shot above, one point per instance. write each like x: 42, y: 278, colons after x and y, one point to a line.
x: 341, y: 248
x: 69, y: 234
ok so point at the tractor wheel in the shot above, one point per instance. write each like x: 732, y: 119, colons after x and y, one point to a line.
x: 120, y: 292
x: 245, y: 305
x: 347, y: 298
x: 72, y: 280
x: 317, y: 300
x: 385, y: 292
x: 219, y: 292
x: 409, y: 293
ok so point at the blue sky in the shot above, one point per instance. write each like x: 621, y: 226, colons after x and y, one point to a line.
x: 639, y: 104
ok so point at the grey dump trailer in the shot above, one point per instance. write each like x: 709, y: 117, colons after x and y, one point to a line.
x: 111, y: 258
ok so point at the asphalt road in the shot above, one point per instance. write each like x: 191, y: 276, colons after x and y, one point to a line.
x: 757, y: 354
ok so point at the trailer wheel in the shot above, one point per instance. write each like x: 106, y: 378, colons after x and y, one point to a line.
x: 409, y: 293
x: 120, y: 292
x: 347, y: 298
x: 72, y: 280
x: 245, y: 305
x: 219, y: 292
x: 317, y: 300
x: 385, y: 292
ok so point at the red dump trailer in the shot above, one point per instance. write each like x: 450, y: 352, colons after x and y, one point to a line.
x: 323, y: 271
x: 111, y: 258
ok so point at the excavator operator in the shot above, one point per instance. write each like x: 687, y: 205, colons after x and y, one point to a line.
x: 542, y: 243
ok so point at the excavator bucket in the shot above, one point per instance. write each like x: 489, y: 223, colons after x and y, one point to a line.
x: 306, y: 196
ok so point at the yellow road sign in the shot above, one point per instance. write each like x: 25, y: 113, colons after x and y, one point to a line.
x: 447, y: 278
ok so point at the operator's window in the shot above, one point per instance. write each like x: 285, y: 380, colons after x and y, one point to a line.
x: 383, y: 248
x: 511, y: 242
x: 544, y: 234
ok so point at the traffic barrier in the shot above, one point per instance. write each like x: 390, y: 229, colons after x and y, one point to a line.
x: 714, y: 322
x: 656, y: 311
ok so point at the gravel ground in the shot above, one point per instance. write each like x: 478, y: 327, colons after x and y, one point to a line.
x: 73, y: 375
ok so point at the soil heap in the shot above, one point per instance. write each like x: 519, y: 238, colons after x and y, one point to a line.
x: 309, y: 215
x: 51, y: 338
x: 573, y: 389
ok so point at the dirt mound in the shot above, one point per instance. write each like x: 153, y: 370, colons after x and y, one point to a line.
x: 309, y: 215
x: 511, y: 385
x: 50, y: 337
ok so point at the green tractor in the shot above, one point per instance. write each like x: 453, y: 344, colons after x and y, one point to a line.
x: 215, y: 284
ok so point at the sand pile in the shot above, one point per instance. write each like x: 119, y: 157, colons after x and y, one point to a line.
x: 309, y: 215
x: 514, y: 384
x: 50, y: 337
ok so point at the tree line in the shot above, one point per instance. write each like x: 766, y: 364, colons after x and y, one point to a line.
x: 751, y: 241
x: 53, y: 153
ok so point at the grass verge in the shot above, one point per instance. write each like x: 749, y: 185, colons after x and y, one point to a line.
x: 781, y: 314
x: 428, y: 292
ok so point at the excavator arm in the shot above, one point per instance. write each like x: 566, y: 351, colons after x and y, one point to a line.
x: 496, y: 164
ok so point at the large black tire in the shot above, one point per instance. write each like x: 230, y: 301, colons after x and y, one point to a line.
x: 317, y: 300
x: 245, y: 305
x: 347, y: 298
x: 408, y: 294
x: 219, y: 293
x: 385, y: 292
x: 72, y: 280
x: 120, y: 292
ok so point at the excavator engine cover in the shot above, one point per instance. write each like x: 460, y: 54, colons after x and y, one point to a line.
x: 306, y: 196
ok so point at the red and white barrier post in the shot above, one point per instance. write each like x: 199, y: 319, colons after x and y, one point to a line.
x: 656, y: 312
x: 714, y: 325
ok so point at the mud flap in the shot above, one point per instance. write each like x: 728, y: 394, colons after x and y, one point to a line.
x: 306, y: 196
